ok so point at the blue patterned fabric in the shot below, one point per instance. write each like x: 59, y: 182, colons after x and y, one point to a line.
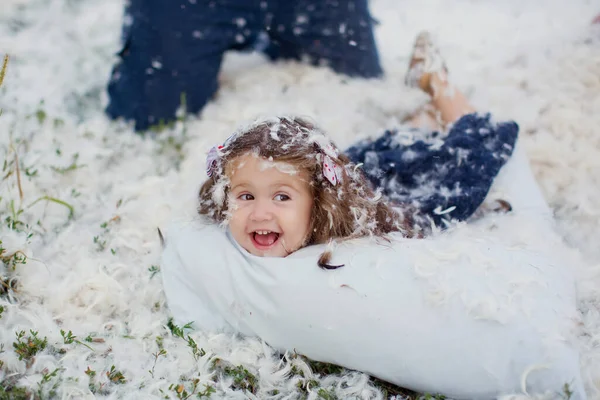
x: 176, y: 46
x: 444, y: 178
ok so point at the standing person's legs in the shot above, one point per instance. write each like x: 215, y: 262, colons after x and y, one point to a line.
x: 175, y: 47
x: 337, y: 33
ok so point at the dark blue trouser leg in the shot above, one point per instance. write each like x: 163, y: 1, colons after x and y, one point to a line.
x: 338, y: 33
x: 174, y: 47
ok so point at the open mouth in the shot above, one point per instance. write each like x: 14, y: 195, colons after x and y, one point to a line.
x: 263, y: 240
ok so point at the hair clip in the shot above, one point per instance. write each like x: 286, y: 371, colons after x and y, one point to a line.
x: 329, y: 150
x: 331, y: 171
x: 212, y: 159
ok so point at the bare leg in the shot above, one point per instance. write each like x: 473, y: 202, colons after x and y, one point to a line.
x: 448, y: 100
x: 428, y: 72
x: 426, y: 117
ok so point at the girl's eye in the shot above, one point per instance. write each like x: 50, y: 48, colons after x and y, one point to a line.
x: 245, y: 197
x: 282, y: 197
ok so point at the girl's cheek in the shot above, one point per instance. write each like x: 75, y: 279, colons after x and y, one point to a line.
x: 233, y: 206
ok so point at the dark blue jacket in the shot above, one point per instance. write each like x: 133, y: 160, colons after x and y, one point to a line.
x: 445, y: 179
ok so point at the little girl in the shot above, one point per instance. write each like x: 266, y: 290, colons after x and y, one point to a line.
x: 281, y: 184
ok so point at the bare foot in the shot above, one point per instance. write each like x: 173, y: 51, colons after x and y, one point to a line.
x: 426, y: 61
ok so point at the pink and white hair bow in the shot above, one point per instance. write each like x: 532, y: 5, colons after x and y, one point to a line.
x: 212, y: 159
x: 213, y: 156
x: 331, y: 171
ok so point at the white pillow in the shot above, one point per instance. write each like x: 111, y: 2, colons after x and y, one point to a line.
x: 476, y: 312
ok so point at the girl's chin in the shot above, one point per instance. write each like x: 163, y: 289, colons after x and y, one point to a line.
x: 273, y: 254
x: 274, y: 251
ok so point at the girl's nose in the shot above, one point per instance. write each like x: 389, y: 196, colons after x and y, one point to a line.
x: 261, y: 211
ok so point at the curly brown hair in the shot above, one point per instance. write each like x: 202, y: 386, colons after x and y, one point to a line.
x: 348, y: 210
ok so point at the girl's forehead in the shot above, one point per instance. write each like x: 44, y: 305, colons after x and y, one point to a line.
x: 255, y: 162
x: 252, y: 168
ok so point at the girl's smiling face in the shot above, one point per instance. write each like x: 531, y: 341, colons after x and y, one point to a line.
x: 270, y: 206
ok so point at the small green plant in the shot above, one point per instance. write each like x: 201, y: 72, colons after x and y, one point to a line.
x: 71, y: 167
x: 27, y: 347
x: 41, y: 116
x: 112, y: 221
x: 57, y: 201
x: 13, y: 221
x: 115, y: 376
x: 93, y: 385
x: 3, y: 70
x: 242, y: 378
x: 30, y: 172
x: 154, y: 269
x: 176, y: 330
x: 46, y: 378
x: 69, y: 338
x: 567, y: 393
x: 10, y: 260
x: 305, y: 385
x: 15, y: 214
x: 197, y: 352
x: 1, y: 311
x: 100, y: 240
x: 182, y: 392
x: 321, y: 368
x: 326, y: 394
x: 89, y: 338
x: 10, y: 392
x: 100, y: 243
x: 160, y: 352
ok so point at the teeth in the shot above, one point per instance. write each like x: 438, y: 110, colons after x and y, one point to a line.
x: 263, y: 232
